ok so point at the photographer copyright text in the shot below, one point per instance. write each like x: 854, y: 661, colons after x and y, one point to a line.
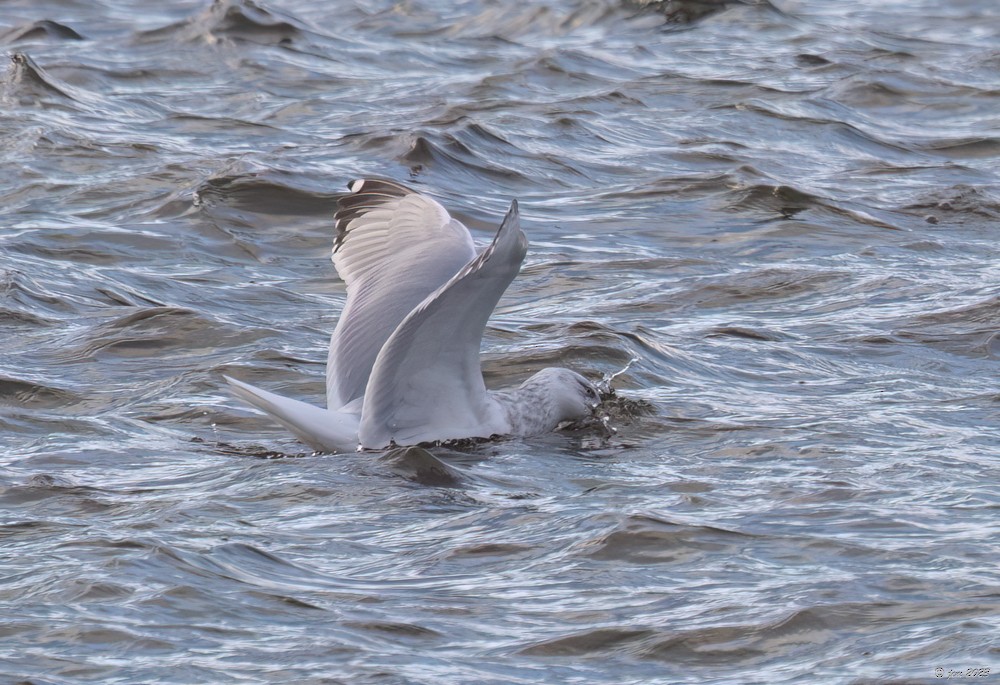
x: 960, y: 673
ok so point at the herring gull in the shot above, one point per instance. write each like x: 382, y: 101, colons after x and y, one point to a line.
x: 403, y: 366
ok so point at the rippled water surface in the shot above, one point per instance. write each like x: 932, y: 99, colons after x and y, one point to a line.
x: 787, y: 212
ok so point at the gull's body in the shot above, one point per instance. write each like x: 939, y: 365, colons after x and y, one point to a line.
x: 403, y: 366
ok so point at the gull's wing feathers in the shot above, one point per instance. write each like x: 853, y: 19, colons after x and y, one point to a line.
x: 393, y: 248
x: 427, y: 383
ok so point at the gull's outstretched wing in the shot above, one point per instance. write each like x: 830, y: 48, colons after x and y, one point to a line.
x: 427, y: 383
x: 393, y: 248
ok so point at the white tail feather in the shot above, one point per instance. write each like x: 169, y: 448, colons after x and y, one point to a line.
x: 321, y: 429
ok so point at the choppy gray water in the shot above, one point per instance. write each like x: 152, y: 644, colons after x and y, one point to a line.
x: 787, y: 211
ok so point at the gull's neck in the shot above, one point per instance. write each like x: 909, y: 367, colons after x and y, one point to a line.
x: 528, y: 409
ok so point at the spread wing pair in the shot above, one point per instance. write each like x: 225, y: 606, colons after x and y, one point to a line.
x: 403, y: 364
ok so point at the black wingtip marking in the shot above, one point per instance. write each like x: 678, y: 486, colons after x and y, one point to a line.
x: 378, y: 186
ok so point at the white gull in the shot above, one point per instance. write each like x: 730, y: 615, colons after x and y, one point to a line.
x: 403, y: 366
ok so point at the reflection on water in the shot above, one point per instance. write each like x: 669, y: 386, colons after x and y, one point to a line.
x: 785, y: 211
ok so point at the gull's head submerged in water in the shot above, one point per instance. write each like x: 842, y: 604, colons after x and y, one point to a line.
x: 572, y: 396
x: 548, y: 399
